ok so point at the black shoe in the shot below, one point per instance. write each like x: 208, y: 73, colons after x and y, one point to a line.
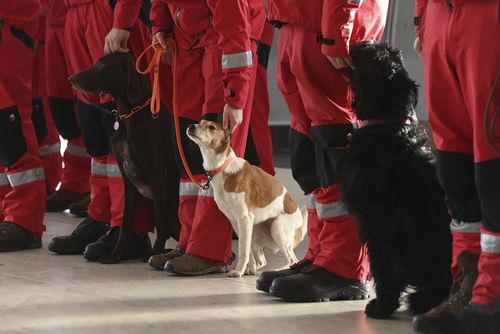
x: 267, y: 277
x: 88, y: 231
x: 61, y: 199
x: 317, y: 284
x: 137, y: 247
x: 13, y: 237
x: 80, y: 208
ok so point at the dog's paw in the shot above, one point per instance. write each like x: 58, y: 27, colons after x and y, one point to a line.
x: 374, y: 310
x: 250, y: 271
x: 235, y: 273
x: 110, y: 259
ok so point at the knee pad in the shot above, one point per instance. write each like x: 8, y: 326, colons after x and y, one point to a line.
x: 12, y: 143
x: 38, y: 119
x: 303, y: 161
x: 456, y: 174
x: 63, y: 114
x: 95, y: 136
x: 263, y: 52
x: 488, y: 187
x: 331, y: 143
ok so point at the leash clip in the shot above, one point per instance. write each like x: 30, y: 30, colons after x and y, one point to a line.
x: 210, y: 176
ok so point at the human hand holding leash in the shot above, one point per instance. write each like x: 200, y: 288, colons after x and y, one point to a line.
x: 116, y: 41
x: 231, y: 117
x: 341, y: 62
x: 161, y: 37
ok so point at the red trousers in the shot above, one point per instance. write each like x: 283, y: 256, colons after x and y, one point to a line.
x: 461, y: 74
x: 22, y: 181
x: 76, y: 170
x: 205, y: 232
x: 86, y: 27
x: 49, y: 143
x: 259, y: 120
x: 318, y: 96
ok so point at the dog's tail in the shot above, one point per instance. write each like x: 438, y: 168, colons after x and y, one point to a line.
x: 301, y: 232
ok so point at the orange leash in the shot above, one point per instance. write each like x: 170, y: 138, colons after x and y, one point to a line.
x: 154, y: 65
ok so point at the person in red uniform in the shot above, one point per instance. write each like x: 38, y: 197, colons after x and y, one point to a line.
x: 92, y: 28
x: 313, y: 55
x: 214, y: 73
x: 22, y: 180
x: 458, y: 42
x: 76, y: 172
x: 259, y: 150
x: 45, y: 130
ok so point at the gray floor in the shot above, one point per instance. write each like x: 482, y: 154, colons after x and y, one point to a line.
x: 45, y: 293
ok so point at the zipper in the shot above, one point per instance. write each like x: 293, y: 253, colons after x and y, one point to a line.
x: 450, y: 6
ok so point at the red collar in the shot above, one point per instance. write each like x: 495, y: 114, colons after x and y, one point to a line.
x: 221, y: 168
x: 370, y: 122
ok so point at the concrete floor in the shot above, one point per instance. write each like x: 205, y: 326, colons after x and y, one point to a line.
x: 45, y: 293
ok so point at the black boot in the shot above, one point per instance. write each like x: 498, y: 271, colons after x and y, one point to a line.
x: 138, y: 246
x: 13, y: 237
x: 61, y: 199
x: 88, y: 231
x: 267, y: 277
x: 317, y: 284
x: 80, y: 208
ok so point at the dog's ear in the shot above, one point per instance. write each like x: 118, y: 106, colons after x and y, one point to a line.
x: 220, y: 117
x: 135, y: 91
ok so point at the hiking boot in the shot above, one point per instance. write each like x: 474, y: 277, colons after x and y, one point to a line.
x: 457, y: 301
x: 80, y: 208
x: 158, y: 261
x: 60, y: 200
x: 138, y: 246
x: 88, y: 231
x: 191, y: 265
x: 316, y: 284
x: 267, y: 277
x: 14, y: 237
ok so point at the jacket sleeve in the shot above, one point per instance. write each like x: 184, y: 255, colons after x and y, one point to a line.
x: 161, y: 20
x: 420, y: 6
x: 231, y: 21
x: 336, y: 26
x: 126, y: 12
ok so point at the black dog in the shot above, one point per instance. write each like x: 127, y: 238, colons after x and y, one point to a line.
x: 142, y: 146
x: 389, y: 185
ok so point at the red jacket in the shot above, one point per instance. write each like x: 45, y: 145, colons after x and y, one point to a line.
x: 340, y: 22
x: 56, y: 12
x: 204, y: 23
x: 21, y: 14
x: 125, y: 11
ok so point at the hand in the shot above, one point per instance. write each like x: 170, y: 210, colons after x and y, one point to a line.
x: 231, y: 117
x: 341, y: 62
x: 417, y: 45
x: 116, y: 41
x: 161, y: 37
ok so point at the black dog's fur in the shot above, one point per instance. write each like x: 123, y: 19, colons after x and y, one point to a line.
x: 142, y: 147
x: 389, y: 185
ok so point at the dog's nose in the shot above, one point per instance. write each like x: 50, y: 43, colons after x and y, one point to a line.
x: 192, y: 126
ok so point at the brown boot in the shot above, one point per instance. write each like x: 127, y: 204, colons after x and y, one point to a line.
x: 61, y: 199
x: 80, y: 208
x: 459, y: 298
x: 191, y: 265
x: 158, y: 261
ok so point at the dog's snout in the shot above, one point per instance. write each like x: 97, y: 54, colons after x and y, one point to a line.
x: 192, y: 126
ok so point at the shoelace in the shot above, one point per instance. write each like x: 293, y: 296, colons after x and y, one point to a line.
x: 313, y: 270
x: 300, y: 265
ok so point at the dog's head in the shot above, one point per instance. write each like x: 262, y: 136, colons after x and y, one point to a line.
x: 115, y: 74
x: 210, y: 136
x: 382, y: 87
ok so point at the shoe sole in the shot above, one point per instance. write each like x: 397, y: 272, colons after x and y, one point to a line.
x: 81, y: 214
x: 33, y: 245
x: 155, y: 266
x: 345, y: 293
x: 221, y: 270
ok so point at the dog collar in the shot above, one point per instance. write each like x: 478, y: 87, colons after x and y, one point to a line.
x: 218, y: 170
x: 379, y: 121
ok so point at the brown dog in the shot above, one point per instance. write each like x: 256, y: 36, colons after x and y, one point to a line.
x: 142, y: 146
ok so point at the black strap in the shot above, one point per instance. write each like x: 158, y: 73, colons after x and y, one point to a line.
x: 23, y: 37
x: 263, y: 51
x: 320, y: 39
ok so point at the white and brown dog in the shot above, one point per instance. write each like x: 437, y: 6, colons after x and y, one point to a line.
x: 261, y: 211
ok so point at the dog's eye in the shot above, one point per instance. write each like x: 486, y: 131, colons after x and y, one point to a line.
x: 211, y: 127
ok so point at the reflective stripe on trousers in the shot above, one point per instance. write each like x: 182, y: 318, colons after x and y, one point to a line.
x: 464, y: 227
x: 77, y: 151
x: 98, y: 168
x: 50, y: 149
x: 27, y: 176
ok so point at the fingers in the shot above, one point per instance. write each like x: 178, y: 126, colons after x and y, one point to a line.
x: 341, y: 62
x: 160, y: 37
x: 417, y: 45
